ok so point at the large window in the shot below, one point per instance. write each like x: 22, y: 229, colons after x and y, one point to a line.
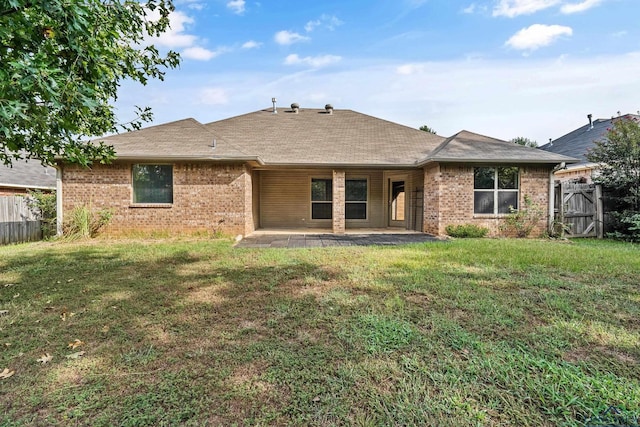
x: 495, y: 190
x: 152, y: 184
x: 355, y: 199
x: 321, y: 198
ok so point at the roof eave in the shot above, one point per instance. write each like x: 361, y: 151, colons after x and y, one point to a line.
x: 424, y: 162
x: 226, y: 159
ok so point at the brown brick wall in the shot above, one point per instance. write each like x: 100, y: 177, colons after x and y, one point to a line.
x: 449, y: 197
x: 338, y: 202
x: 206, y: 198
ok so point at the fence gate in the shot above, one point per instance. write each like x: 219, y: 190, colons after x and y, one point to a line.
x: 579, y: 208
x: 18, y: 223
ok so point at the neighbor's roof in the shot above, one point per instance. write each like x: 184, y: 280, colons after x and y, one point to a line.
x: 471, y: 147
x: 28, y: 174
x: 315, y: 137
x: 577, y: 143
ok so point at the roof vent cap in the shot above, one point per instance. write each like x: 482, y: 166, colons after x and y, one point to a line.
x: 329, y: 108
x: 295, y: 107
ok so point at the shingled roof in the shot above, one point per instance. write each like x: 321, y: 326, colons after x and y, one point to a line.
x: 315, y: 137
x: 471, y: 147
x: 577, y: 143
x: 28, y: 175
x: 182, y: 139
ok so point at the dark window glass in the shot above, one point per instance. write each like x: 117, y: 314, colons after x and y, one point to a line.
x: 321, y: 210
x: 355, y: 211
x: 483, y: 202
x: 484, y: 178
x: 506, y: 201
x: 152, y: 183
x: 321, y: 190
x: 356, y: 190
x: 507, y: 178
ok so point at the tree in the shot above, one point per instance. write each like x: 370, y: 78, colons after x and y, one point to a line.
x: 618, y: 157
x: 526, y: 142
x: 62, y: 62
x: 426, y: 128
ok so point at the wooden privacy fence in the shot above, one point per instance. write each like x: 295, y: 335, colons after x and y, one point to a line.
x: 18, y: 223
x: 578, y: 208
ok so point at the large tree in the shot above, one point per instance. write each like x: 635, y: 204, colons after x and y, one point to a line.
x: 426, y: 128
x: 618, y: 157
x: 525, y: 142
x: 61, y: 64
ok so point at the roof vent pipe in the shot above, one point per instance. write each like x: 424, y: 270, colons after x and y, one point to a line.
x: 329, y: 108
x: 275, y: 110
x: 295, y: 107
x: 550, y: 142
x: 590, y: 117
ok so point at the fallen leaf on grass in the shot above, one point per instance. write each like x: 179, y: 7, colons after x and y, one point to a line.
x: 4, y: 312
x: 75, y: 344
x: 46, y: 358
x: 9, y: 284
x: 6, y: 373
x: 7, y: 344
x: 16, y: 295
x: 105, y: 329
x: 75, y: 355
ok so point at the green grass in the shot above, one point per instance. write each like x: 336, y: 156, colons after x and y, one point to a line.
x: 195, y: 332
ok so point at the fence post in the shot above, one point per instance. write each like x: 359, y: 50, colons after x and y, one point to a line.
x: 599, y: 212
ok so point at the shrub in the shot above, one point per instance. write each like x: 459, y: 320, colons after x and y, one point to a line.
x: 466, y: 230
x: 521, y: 222
x: 84, y: 223
x: 43, y: 205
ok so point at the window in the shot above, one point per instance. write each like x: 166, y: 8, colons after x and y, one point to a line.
x: 321, y: 198
x: 355, y: 199
x: 152, y: 184
x: 495, y: 190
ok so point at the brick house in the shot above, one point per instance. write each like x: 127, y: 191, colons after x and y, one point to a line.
x: 577, y: 144
x: 320, y: 170
x: 24, y: 175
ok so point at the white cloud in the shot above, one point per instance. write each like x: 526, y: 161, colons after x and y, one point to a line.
x: 579, y: 7
x: 537, y: 36
x: 409, y: 69
x: 469, y: 9
x: 251, y: 44
x: 513, y: 8
x: 236, y: 6
x: 619, y: 34
x: 175, y: 36
x: 313, y: 61
x: 213, y: 96
x: 199, y: 53
x: 330, y: 22
x: 288, y: 37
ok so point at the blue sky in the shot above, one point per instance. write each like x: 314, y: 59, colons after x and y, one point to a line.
x: 503, y: 68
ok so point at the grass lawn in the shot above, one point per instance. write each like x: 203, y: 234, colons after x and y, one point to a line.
x: 195, y: 332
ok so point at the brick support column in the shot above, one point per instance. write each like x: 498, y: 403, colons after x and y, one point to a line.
x: 338, y: 202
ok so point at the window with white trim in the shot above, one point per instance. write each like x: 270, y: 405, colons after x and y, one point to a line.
x: 152, y: 184
x: 355, y: 199
x: 321, y: 198
x: 495, y: 190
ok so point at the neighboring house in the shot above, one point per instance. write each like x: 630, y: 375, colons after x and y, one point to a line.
x: 321, y: 170
x: 578, y: 143
x: 26, y: 175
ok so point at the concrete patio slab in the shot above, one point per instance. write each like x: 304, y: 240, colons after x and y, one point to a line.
x: 298, y: 240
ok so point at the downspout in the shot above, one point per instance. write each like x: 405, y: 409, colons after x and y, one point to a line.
x: 59, y: 216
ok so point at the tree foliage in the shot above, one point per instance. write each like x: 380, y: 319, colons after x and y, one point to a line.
x: 62, y: 62
x: 618, y: 157
x: 526, y: 142
x: 426, y: 128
